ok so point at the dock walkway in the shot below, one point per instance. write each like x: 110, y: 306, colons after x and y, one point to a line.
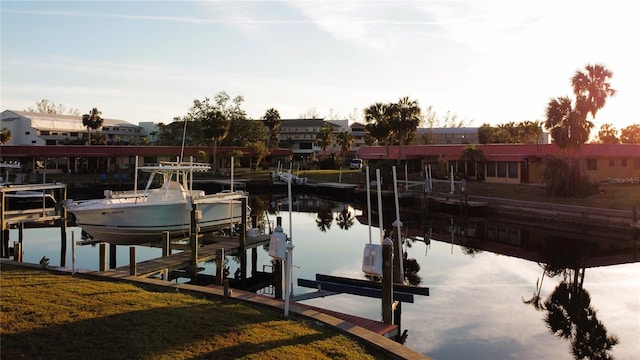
x: 181, y: 260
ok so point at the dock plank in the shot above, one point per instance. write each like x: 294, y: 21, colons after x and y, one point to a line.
x: 181, y: 260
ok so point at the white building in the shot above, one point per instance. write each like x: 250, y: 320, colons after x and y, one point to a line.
x: 28, y: 128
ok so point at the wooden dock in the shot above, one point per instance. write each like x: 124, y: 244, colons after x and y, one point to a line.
x: 231, y: 246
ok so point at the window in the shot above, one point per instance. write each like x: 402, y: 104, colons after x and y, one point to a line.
x: 491, y: 169
x: 27, y: 132
x: 502, y: 169
x: 44, y: 132
x: 624, y: 162
x: 612, y: 162
x: 513, y: 170
x: 592, y: 164
x: 74, y: 134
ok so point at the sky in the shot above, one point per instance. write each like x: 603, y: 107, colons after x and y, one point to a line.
x: 483, y: 61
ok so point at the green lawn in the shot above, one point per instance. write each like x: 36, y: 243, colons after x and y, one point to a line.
x: 52, y: 316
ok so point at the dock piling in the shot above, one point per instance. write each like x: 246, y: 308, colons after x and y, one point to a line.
x: 102, y: 261
x: 133, y: 266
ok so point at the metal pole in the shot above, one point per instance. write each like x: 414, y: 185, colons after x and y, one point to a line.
x: 387, y: 281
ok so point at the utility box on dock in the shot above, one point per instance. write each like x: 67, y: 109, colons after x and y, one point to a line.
x: 372, y: 259
x: 278, y: 244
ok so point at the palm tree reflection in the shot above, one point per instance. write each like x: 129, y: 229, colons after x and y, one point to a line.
x: 569, y: 314
x: 325, y: 217
x: 345, y: 218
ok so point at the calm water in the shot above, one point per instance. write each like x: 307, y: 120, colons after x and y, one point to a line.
x: 479, y: 284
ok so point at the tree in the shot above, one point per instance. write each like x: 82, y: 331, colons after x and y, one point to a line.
x: 568, y: 122
x: 311, y: 113
x: 213, y: 117
x: 345, y: 140
x: 272, y: 120
x: 376, y: 117
x: 569, y: 127
x: 45, y: 106
x: 259, y: 151
x: 408, y: 119
x: 608, y: 134
x: 243, y: 131
x: 592, y: 88
x: 630, y: 134
x: 5, y: 135
x: 92, y: 120
x: 324, y: 137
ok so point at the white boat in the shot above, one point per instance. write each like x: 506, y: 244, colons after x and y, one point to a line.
x: 140, y: 217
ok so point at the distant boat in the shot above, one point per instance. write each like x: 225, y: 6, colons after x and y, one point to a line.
x: 140, y: 217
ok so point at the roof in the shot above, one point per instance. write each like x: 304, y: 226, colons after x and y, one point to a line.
x: 60, y: 122
x: 113, y: 150
x: 497, y: 152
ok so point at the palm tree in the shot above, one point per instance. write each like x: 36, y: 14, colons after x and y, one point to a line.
x: 592, y: 88
x: 5, y: 135
x: 345, y: 140
x: 376, y: 117
x: 409, y: 119
x: 272, y: 120
x: 92, y: 120
x: 568, y: 126
x: 324, y: 137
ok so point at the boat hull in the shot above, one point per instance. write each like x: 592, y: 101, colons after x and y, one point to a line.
x: 140, y: 223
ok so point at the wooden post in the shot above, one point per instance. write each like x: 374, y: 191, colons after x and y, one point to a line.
x: 166, y: 244
x: 387, y: 280
x: 193, y: 240
x: 63, y: 237
x: 102, y: 261
x: 21, y: 232
x: 243, y: 241
x: 17, y: 251
x: 113, y: 256
x: 133, y: 265
x: 254, y: 261
x: 4, y: 235
x: 219, y: 266
x: 227, y: 291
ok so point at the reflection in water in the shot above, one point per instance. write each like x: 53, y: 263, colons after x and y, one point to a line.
x: 565, y: 250
x: 325, y: 217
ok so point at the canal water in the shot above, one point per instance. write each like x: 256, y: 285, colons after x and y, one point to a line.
x: 484, y: 276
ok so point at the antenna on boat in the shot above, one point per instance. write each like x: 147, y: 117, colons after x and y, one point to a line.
x: 135, y: 180
x: 184, y: 136
x: 368, y: 202
x: 289, y: 261
x: 398, y: 223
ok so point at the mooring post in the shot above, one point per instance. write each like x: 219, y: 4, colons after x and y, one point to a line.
x: 113, y: 256
x: 193, y: 240
x: 102, y: 261
x: 254, y: 261
x: 133, y: 265
x: 17, y: 251
x: 243, y: 241
x: 4, y: 236
x: 63, y: 237
x: 387, y: 280
x: 219, y: 266
x: 4, y: 242
x: 166, y: 244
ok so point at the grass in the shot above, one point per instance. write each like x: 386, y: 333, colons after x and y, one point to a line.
x: 52, y: 316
